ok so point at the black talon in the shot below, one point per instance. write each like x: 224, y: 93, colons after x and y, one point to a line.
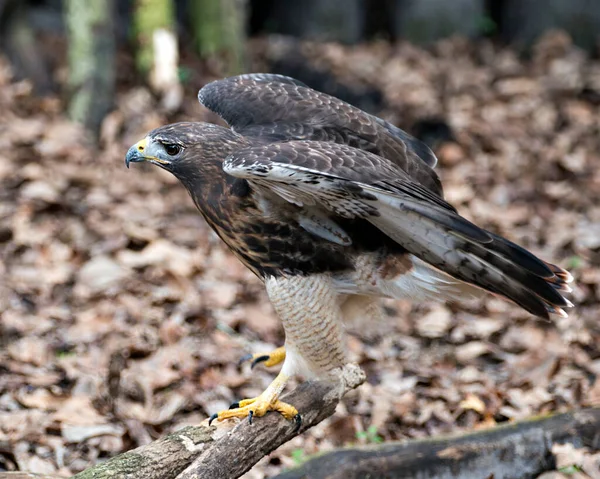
x: 212, y: 418
x: 250, y: 414
x: 297, y: 421
x: 259, y: 359
x: 234, y: 405
x: 244, y: 358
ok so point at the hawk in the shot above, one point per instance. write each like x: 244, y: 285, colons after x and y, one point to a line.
x: 333, y: 209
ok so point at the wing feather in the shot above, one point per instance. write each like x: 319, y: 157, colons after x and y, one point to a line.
x: 267, y: 78
x: 352, y: 183
x: 272, y: 106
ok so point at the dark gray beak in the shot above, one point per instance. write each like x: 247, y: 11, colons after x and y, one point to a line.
x: 135, y: 154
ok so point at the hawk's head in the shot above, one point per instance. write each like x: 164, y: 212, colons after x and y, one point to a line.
x: 182, y: 148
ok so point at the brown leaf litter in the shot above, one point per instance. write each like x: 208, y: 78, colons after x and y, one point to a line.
x: 98, y: 262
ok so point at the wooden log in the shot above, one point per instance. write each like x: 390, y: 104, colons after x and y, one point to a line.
x: 226, y: 450
x: 243, y: 447
x: 27, y: 475
x: 514, y: 451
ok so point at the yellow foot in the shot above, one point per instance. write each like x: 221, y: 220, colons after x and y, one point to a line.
x: 270, y: 359
x: 259, y: 406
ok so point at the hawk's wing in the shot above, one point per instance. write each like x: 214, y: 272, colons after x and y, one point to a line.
x: 266, y: 78
x: 347, y: 182
x: 278, y: 108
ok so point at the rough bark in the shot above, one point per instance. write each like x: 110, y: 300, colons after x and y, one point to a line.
x: 219, y: 28
x: 225, y: 451
x: 515, y: 451
x: 91, y: 60
x: 237, y: 452
x: 27, y: 475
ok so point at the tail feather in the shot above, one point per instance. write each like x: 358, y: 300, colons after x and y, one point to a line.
x: 498, y: 266
x: 562, y: 276
x: 496, y: 254
x: 523, y: 257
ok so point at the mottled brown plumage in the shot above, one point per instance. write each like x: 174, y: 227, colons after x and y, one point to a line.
x: 318, y: 197
x: 270, y: 245
x: 276, y: 108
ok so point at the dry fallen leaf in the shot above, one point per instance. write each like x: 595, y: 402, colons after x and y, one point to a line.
x: 474, y: 403
x: 436, y: 323
x: 97, y: 260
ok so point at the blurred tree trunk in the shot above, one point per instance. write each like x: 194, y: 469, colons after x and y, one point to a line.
x: 321, y: 20
x: 524, y: 21
x: 91, y: 60
x: 19, y: 41
x: 425, y: 21
x: 219, y: 28
x: 157, y: 54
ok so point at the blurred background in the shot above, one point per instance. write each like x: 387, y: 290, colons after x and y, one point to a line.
x: 122, y: 317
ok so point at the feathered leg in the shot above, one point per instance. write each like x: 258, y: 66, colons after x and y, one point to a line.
x: 314, y: 346
x: 309, y: 309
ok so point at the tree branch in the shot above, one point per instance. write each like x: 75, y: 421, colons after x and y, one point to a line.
x: 521, y: 450
x: 27, y: 475
x: 516, y: 451
x: 227, y: 451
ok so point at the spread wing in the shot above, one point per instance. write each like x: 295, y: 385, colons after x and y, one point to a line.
x: 266, y: 78
x: 342, y: 181
x: 279, y: 108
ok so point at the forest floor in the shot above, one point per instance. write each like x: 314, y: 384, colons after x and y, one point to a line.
x: 123, y: 316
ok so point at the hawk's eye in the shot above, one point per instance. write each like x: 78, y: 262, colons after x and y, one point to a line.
x: 172, y: 150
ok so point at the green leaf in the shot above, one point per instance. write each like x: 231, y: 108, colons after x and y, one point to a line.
x: 370, y: 436
x: 298, y: 456
x: 487, y: 25
x: 574, y: 262
x: 571, y: 469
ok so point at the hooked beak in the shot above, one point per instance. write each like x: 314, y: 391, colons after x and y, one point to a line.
x: 141, y: 152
